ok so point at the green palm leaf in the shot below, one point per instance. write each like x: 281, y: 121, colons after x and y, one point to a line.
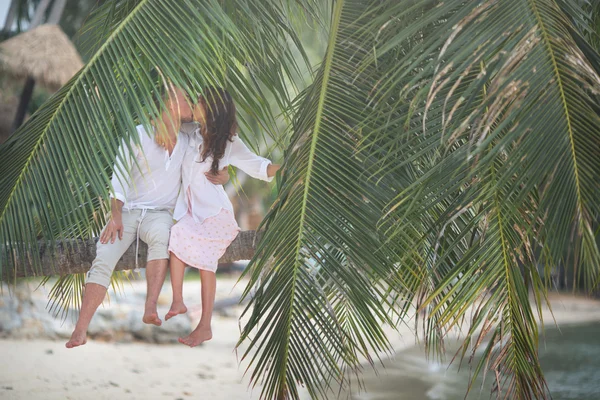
x: 318, y: 276
x: 499, y: 114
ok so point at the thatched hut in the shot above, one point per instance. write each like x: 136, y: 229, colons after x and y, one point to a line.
x: 43, y: 55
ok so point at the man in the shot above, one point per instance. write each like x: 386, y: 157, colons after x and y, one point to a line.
x: 146, y: 183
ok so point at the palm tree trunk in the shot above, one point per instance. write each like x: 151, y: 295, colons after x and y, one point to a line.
x: 26, y: 95
x: 38, y: 18
x: 57, y: 10
x: 73, y: 257
x: 40, y: 13
x: 10, y: 17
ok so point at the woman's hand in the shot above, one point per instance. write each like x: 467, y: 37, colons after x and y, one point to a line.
x: 218, y: 179
x: 272, y: 169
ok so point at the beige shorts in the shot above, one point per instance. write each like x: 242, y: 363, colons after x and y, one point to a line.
x: 154, y: 228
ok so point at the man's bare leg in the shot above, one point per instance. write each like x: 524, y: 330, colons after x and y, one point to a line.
x: 156, y: 271
x: 177, y: 272
x: 92, y: 298
x: 203, y: 331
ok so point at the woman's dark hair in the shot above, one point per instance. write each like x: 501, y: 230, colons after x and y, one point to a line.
x: 219, y: 125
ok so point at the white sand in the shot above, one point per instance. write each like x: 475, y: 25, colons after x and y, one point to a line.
x: 43, y: 369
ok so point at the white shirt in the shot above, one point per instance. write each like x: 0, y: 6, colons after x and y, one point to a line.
x: 148, y: 177
x: 207, y: 199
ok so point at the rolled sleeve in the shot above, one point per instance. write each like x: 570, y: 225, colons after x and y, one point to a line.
x: 118, y: 196
x: 263, y: 170
x: 244, y: 159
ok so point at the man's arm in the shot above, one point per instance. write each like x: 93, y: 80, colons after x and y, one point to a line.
x: 122, y: 170
x: 118, y: 195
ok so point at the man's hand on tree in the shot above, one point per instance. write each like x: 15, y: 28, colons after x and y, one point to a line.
x: 218, y: 179
x: 114, y: 228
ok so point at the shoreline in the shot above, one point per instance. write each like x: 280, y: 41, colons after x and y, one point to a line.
x: 408, y: 375
x: 567, y: 310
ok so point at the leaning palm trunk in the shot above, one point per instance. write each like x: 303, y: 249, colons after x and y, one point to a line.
x: 444, y: 159
x: 76, y: 256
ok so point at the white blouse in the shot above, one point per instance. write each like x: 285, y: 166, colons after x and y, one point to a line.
x: 148, y: 176
x: 207, y: 199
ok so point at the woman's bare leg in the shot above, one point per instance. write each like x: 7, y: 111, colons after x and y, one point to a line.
x: 177, y: 271
x: 203, y: 331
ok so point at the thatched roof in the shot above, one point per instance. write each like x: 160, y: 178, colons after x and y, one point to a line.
x: 45, y: 53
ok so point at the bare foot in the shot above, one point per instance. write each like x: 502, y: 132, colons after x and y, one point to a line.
x: 176, y: 309
x: 198, y: 336
x: 77, y: 339
x: 151, y: 318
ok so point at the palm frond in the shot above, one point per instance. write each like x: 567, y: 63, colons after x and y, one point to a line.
x: 319, y: 279
x: 494, y: 105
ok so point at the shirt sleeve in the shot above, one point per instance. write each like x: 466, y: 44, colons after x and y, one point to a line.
x: 122, y: 171
x: 252, y: 164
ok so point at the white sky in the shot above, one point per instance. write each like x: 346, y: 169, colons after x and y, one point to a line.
x: 4, y: 4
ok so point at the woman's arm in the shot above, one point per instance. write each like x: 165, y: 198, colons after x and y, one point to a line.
x: 118, y: 195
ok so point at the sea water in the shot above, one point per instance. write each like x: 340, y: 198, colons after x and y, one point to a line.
x: 570, y: 359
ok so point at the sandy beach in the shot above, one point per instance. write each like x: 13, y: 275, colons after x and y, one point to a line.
x: 45, y: 369
x: 42, y: 369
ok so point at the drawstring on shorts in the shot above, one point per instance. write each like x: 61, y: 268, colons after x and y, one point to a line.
x: 137, y: 239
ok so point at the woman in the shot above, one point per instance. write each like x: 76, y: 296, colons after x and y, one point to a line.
x: 205, y: 221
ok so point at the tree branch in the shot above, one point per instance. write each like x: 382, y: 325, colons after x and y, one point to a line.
x: 73, y: 257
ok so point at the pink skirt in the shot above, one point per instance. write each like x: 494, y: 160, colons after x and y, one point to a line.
x: 201, y: 244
